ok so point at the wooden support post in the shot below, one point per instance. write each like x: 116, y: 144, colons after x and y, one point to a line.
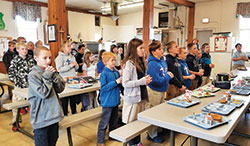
x: 58, y: 15
x: 190, y: 24
x: 148, y: 11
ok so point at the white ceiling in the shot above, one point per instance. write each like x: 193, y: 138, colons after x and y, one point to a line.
x: 96, y: 5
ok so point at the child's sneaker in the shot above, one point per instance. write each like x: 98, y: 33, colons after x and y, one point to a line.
x: 156, y: 139
x: 23, y: 111
x: 14, y: 127
x: 139, y: 144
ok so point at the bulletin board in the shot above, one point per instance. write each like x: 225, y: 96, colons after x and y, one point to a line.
x: 220, y: 44
x: 4, y: 45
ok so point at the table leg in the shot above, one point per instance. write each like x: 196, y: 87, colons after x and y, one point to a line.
x: 193, y: 141
x: 18, y: 126
x: 10, y: 91
x: 241, y: 134
x: 69, y: 137
x: 1, y: 86
x: 172, y: 138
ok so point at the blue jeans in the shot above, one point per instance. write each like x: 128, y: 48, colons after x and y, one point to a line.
x: 85, y: 102
x: 109, y: 116
x: 46, y: 136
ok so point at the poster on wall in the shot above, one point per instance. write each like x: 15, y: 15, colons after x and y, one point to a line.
x: 220, y: 44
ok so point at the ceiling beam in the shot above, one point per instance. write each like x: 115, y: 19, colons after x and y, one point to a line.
x: 42, y: 4
x: 182, y: 2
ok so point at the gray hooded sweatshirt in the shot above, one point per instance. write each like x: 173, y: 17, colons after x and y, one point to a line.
x: 45, y: 109
x: 63, y: 65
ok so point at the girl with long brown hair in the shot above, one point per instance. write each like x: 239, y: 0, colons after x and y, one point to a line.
x: 134, y: 82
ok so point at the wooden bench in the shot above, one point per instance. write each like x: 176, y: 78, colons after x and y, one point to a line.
x: 16, y: 105
x: 129, y: 131
x: 66, y: 123
x: 77, y: 119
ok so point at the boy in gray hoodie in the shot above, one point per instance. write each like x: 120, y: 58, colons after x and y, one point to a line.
x: 45, y: 110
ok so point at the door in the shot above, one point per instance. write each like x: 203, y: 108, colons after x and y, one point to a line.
x: 204, y: 36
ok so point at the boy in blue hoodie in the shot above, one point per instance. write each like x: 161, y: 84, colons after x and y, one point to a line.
x: 110, y: 97
x: 187, y: 76
x: 158, y: 70
x: 45, y: 110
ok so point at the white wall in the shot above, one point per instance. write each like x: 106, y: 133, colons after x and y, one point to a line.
x: 136, y: 20
x: 10, y: 28
x: 78, y: 22
x: 222, y: 14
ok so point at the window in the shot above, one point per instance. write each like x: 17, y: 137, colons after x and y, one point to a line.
x: 245, y: 33
x: 27, y: 29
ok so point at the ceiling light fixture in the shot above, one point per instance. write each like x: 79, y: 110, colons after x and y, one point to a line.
x: 129, y: 5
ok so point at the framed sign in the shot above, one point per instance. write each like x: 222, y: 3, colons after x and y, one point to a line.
x: 97, y: 20
x: 52, y: 33
x: 220, y: 44
x: 163, y: 20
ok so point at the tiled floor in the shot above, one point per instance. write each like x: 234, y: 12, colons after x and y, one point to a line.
x: 85, y: 134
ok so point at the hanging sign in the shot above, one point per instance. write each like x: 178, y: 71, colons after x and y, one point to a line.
x: 2, y: 24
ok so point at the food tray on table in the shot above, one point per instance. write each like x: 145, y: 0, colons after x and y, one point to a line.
x: 222, y: 109
x: 248, y: 78
x: 198, y: 120
x: 242, y: 68
x: 240, y: 90
x: 234, y: 102
x: 204, y: 94
x: 182, y: 102
x: 209, y: 89
x: 79, y: 86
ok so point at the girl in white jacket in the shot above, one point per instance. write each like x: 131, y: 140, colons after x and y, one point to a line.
x: 134, y: 83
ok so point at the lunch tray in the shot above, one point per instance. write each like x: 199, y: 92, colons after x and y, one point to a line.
x: 198, y: 120
x: 248, y: 78
x: 207, y: 88
x: 241, y: 90
x: 181, y: 102
x: 243, y: 69
x: 233, y: 102
x: 222, y: 109
x: 79, y: 86
x: 196, y: 94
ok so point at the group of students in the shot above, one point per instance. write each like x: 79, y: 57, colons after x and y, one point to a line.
x: 18, y: 60
x: 146, y: 83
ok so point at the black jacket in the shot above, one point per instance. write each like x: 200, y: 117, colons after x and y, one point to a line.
x: 175, y: 67
x: 7, y: 57
x: 193, y: 64
x: 79, y: 59
x: 205, y: 61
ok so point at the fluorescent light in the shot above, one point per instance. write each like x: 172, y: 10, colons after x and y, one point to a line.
x: 129, y: 5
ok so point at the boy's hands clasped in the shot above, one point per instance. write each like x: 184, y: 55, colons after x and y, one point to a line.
x: 119, y: 80
x: 50, y: 68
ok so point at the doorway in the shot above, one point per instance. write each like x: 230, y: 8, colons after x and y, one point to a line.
x: 204, y: 36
